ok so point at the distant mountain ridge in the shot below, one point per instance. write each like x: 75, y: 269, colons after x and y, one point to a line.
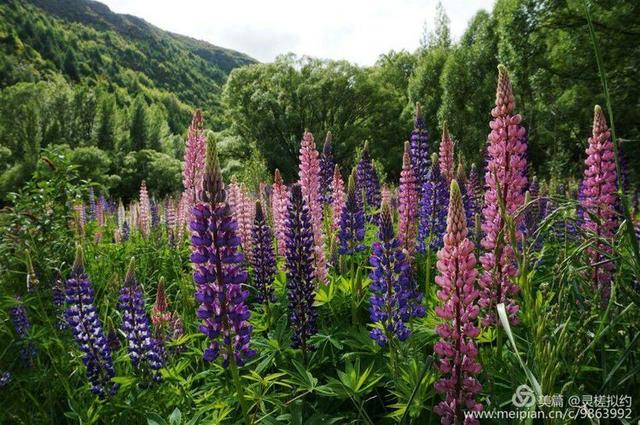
x: 99, y: 16
x: 85, y: 42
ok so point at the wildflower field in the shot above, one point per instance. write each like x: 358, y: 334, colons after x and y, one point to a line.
x: 454, y: 293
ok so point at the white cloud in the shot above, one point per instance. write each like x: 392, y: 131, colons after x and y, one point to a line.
x: 356, y: 30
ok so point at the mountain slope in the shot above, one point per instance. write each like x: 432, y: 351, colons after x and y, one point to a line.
x: 86, y: 42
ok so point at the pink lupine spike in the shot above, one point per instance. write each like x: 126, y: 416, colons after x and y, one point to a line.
x: 505, y: 179
x: 457, y: 351
x: 144, y: 216
x: 159, y: 314
x: 310, y: 182
x: 386, y: 196
x: 243, y: 210
x: 279, y: 202
x: 446, y: 154
x: 408, y: 205
x: 194, y: 156
x: 339, y: 197
x: 599, y: 199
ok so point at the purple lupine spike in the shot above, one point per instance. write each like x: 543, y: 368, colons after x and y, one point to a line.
x: 326, y: 170
x: 219, y: 271
x: 420, y: 148
x: 263, y: 261
x: 155, y: 214
x: 83, y: 320
x: 300, y: 271
x: 22, y: 326
x: 113, y: 341
x: 367, y: 179
x: 143, y: 348
x: 351, y: 233
x: 432, y: 217
x: 468, y: 201
x: 391, y: 284
x: 458, y: 293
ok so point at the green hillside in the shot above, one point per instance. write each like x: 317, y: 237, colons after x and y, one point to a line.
x: 86, y: 42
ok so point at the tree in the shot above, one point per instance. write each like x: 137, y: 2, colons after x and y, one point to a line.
x: 106, y: 129
x: 138, y: 129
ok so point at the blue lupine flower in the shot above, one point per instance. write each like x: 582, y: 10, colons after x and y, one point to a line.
x: 432, y: 216
x: 83, y: 320
x: 263, y: 261
x: 143, y: 350
x: 352, y: 230
x: 299, y: 260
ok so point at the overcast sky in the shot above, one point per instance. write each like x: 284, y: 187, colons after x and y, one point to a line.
x: 356, y: 30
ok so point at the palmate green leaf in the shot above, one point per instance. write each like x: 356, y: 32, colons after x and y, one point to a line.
x: 352, y: 381
x: 301, y: 378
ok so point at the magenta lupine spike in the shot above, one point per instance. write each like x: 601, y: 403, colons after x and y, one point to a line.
x: 339, y: 196
x: 506, y: 180
x: 182, y: 215
x: 279, y: 202
x: 408, y: 205
x: 79, y: 217
x: 456, y: 350
x: 446, y: 154
x: 100, y: 207
x: 599, y: 199
x: 194, y: 155
x: 310, y: 183
x: 145, y: 210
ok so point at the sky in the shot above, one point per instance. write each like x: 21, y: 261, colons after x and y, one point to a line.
x: 355, y: 30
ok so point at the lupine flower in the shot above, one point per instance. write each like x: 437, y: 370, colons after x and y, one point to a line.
x: 386, y: 195
x: 121, y: 215
x: 92, y: 204
x: 125, y: 231
x: 468, y: 201
x: 194, y: 155
x: 155, y: 214
x: 326, y: 170
x: 100, y: 210
x: 300, y: 271
x: 83, y: 320
x: 351, y: 233
x: 367, y: 179
x: 22, y: 326
x: 264, y: 262
x: 79, y: 217
x: 420, y: 148
x: 242, y: 209
x: 160, y: 316
x: 143, y: 348
x: 310, y: 184
x: 599, y: 200
x: 145, y: 210
x: 339, y: 196
x: 408, y: 205
x: 458, y: 295
x: 473, y: 188
x: 446, y: 154
x: 5, y: 378
x: 279, y: 200
x: 505, y: 180
x: 390, y: 286
x: 219, y: 271
x: 432, y: 217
